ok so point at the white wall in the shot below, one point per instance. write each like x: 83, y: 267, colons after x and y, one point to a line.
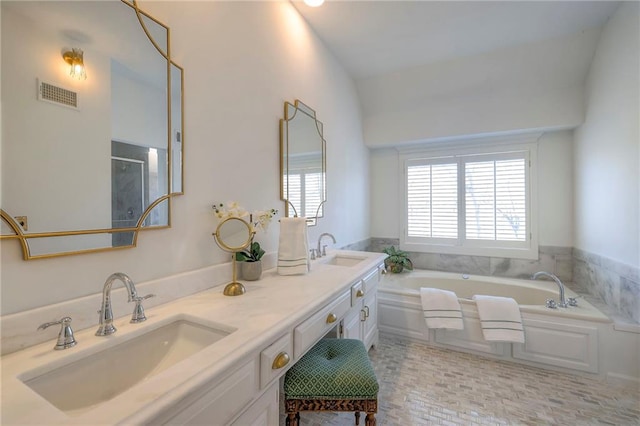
x: 555, y: 189
x: 607, y: 163
x: 33, y: 139
x: 242, y: 61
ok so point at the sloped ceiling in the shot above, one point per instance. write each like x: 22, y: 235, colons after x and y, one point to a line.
x: 371, y: 38
x: 428, y: 70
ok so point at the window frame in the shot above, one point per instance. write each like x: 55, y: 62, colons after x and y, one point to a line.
x: 472, y: 150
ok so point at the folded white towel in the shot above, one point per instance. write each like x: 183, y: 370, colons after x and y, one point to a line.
x: 441, y: 308
x: 293, y: 248
x: 500, y: 318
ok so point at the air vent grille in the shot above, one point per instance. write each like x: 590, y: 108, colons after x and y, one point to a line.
x: 58, y: 95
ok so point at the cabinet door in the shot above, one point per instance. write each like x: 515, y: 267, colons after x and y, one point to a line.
x: 370, y: 325
x: 352, y: 323
x: 263, y: 412
x: 222, y: 401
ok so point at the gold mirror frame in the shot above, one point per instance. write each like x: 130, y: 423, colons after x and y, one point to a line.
x: 175, y: 73
x: 293, y: 148
x: 234, y: 288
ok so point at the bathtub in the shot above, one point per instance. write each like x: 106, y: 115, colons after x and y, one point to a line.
x: 560, y: 339
x: 530, y: 295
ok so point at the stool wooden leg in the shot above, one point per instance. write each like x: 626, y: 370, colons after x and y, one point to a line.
x: 292, y: 419
x: 370, y: 420
x: 357, y: 413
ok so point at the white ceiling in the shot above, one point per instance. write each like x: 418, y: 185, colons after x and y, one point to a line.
x: 372, y: 38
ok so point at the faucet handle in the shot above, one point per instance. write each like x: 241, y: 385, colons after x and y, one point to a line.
x: 66, y: 339
x: 324, y: 250
x: 138, y: 311
x: 313, y: 254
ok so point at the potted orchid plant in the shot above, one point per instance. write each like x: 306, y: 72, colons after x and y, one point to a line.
x: 249, y: 258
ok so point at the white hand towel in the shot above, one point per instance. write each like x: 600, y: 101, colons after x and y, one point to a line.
x: 500, y: 319
x: 293, y: 248
x: 441, y: 308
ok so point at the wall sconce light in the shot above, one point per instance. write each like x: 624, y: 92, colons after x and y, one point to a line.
x: 74, y: 57
x: 313, y: 3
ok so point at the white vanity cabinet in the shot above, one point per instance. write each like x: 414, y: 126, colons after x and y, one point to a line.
x: 264, y: 412
x: 361, y: 322
x: 233, y: 381
x: 216, y: 403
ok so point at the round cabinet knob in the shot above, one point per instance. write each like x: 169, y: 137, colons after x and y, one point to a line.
x: 359, y: 293
x: 331, y: 318
x: 281, y: 360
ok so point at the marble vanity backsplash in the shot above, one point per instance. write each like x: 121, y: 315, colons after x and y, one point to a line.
x: 19, y: 330
x: 616, y: 284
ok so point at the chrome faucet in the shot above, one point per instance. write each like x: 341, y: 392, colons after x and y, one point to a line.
x: 106, y: 313
x: 563, y: 302
x: 323, y: 252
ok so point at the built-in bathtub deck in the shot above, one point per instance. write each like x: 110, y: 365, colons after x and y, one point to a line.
x: 582, y: 340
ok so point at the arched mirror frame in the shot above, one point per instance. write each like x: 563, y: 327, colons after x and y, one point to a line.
x: 290, y: 113
x: 24, y: 237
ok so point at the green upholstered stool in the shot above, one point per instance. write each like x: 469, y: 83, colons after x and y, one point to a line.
x: 335, y: 375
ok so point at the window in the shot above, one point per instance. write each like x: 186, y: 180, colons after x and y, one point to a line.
x: 306, y: 191
x: 470, y: 202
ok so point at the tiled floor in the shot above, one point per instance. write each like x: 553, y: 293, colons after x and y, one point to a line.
x: 420, y: 385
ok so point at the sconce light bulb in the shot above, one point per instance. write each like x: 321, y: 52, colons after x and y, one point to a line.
x: 313, y: 3
x: 75, y: 58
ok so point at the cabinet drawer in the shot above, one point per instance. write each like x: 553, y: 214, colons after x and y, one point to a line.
x: 276, y: 359
x: 311, y: 330
x: 370, y: 282
x: 357, y: 293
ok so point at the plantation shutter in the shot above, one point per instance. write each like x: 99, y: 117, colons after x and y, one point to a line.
x: 313, y: 191
x: 294, y: 188
x: 432, y: 200
x: 495, y: 195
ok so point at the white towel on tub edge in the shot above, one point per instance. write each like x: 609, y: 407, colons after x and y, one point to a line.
x: 441, y: 308
x: 500, y: 318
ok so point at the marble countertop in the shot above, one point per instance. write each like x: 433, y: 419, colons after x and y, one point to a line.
x: 271, y: 307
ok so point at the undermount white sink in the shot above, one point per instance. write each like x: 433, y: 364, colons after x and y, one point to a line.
x: 342, y: 260
x: 99, y: 377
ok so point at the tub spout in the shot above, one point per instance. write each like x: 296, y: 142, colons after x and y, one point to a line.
x: 563, y: 302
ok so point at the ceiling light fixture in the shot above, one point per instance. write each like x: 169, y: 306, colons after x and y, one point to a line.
x: 313, y: 3
x: 75, y: 58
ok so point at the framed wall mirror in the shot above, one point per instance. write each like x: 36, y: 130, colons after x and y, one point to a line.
x: 87, y: 164
x: 302, y: 162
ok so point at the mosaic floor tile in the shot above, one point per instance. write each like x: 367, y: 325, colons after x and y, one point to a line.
x: 422, y: 385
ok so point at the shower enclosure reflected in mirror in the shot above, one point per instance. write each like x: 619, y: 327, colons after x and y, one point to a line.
x: 87, y: 176
x: 302, y: 162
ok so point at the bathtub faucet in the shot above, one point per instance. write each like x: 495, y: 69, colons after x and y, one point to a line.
x: 563, y: 302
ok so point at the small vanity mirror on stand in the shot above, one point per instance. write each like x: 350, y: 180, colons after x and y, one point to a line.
x: 233, y: 235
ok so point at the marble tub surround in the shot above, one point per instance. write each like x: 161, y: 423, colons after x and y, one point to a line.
x: 617, y: 284
x: 270, y: 307
x: 359, y: 246
x: 557, y: 260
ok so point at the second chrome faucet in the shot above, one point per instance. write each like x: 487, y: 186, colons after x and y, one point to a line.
x: 323, y: 252
x: 106, y: 326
